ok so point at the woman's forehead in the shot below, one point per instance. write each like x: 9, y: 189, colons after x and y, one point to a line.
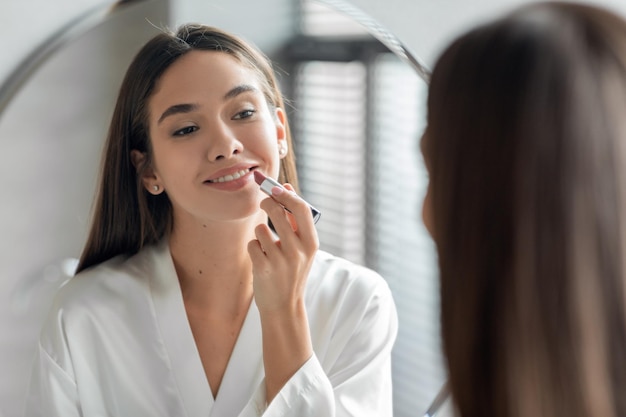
x: 212, y: 69
x: 203, y: 76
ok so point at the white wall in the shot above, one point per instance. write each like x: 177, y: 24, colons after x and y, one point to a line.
x: 267, y: 23
x: 426, y: 26
x: 22, y: 29
x: 51, y: 136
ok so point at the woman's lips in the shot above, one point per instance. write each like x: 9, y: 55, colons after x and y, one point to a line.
x: 233, y: 181
x: 230, y: 177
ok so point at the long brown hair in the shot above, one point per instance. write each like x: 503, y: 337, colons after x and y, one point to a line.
x: 126, y: 217
x: 526, y: 148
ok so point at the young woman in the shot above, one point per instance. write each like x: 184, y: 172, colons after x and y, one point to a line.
x: 185, y: 302
x: 526, y: 152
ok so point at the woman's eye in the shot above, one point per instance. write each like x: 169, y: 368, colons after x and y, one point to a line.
x: 185, y: 131
x: 244, y: 114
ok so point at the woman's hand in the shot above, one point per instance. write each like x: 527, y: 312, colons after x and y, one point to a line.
x: 280, y: 268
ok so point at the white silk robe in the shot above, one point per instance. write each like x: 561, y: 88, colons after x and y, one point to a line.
x: 118, y: 343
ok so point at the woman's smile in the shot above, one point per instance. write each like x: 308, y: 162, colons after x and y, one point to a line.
x: 229, y: 177
x: 231, y: 182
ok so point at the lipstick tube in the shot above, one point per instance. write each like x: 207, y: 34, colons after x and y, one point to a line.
x: 268, y: 183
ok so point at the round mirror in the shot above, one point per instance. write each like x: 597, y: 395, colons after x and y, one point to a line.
x: 356, y: 103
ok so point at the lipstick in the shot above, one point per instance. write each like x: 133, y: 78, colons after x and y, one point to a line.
x: 268, y: 183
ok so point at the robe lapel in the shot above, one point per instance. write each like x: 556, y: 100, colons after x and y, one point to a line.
x: 244, y: 371
x: 183, y: 358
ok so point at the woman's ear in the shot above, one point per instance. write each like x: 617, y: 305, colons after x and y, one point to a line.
x: 281, y: 130
x: 149, y: 178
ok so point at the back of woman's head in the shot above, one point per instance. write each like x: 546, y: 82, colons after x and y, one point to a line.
x: 526, y: 148
x: 127, y: 217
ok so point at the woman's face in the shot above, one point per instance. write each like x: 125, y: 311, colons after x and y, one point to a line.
x: 210, y: 127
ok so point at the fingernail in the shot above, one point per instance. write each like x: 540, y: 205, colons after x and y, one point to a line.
x: 277, y: 190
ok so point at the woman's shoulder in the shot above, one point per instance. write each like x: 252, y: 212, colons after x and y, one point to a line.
x: 348, y: 303
x: 342, y: 268
x: 111, y: 279
x: 101, y: 301
x: 331, y: 273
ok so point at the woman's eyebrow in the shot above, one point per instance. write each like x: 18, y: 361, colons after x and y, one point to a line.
x: 176, y: 109
x: 189, y: 107
x: 240, y: 89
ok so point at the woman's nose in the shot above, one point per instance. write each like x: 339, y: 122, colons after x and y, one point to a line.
x: 222, y: 143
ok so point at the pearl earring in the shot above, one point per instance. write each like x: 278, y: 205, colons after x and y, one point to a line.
x: 155, y: 188
x: 282, y: 151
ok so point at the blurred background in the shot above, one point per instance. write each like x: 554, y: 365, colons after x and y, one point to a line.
x: 355, y: 76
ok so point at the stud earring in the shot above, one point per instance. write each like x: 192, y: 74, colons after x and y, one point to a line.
x: 282, y: 151
x: 155, y: 188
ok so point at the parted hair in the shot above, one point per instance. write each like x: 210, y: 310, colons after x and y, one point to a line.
x: 125, y: 216
x: 526, y: 148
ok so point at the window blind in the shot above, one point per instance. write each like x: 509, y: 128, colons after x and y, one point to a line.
x: 330, y: 102
x: 318, y: 19
x: 402, y: 250
x: 356, y: 128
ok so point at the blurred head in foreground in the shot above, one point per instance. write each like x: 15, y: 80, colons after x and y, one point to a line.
x: 526, y: 153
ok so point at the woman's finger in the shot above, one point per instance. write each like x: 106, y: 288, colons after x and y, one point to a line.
x: 298, y: 221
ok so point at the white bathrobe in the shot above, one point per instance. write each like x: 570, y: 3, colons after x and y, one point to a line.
x: 117, y: 343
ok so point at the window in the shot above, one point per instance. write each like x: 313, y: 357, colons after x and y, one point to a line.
x: 358, y: 113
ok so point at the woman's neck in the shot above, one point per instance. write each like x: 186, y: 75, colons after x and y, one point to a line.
x: 213, y: 265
